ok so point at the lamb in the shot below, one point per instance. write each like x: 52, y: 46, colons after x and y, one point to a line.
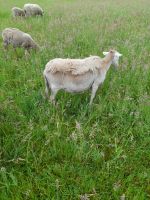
x: 32, y: 10
x: 77, y: 75
x: 17, y: 12
x: 18, y: 38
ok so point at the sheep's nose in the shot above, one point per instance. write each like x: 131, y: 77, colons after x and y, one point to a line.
x: 116, y: 66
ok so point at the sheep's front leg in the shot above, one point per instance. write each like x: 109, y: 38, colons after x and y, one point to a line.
x: 26, y: 52
x: 94, y: 89
x: 15, y: 51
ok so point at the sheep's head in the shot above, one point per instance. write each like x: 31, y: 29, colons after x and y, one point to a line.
x: 35, y: 46
x: 116, y: 56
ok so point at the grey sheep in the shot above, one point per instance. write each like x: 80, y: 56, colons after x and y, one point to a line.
x: 18, y: 38
x: 32, y: 10
x: 17, y: 12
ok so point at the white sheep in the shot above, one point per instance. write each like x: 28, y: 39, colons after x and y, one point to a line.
x: 32, y: 10
x: 77, y: 75
x: 18, y: 38
x: 17, y: 12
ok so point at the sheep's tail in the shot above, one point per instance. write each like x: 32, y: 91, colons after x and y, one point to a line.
x: 48, y: 88
x: 47, y: 83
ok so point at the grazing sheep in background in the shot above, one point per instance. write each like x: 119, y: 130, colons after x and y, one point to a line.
x: 32, y: 10
x: 17, y: 12
x: 17, y: 38
x: 77, y: 75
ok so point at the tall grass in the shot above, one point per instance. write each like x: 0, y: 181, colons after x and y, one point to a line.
x: 77, y: 152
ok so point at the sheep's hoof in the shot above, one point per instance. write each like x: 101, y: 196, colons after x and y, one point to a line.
x: 6, y: 57
x: 52, y: 102
x: 44, y: 96
x: 90, y: 104
x: 27, y: 54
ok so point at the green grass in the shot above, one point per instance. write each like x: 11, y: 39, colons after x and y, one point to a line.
x: 65, y: 153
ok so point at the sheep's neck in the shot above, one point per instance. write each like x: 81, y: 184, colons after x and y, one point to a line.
x: 107, y: 61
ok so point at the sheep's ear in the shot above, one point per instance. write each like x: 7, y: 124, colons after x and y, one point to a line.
x: 105, y: 53
x: 119, y: 54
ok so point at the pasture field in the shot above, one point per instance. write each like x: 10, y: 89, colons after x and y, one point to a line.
x: 73, y: 151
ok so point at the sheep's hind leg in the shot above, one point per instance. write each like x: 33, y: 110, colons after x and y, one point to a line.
x: 94, y: 89
x: 46, y: 92
x: 53, y: 94
x: 5, y: 45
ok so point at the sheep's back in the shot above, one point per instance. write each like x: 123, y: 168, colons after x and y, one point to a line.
x: 75, y: 66
x: 32, y: 9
